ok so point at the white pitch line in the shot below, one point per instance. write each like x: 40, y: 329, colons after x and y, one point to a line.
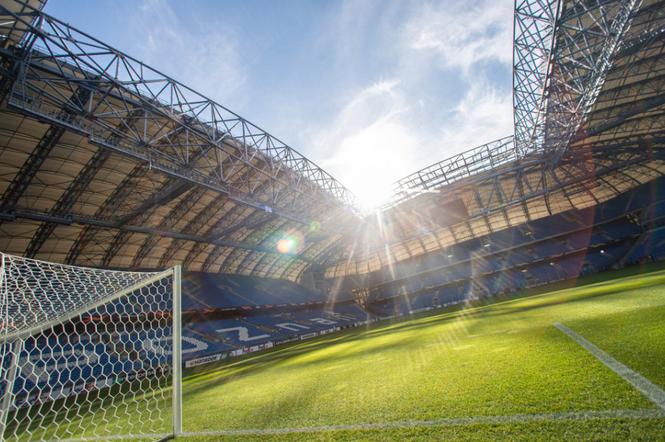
x: 160, y: 436
x: 445, y: 422
x: 652, y: 391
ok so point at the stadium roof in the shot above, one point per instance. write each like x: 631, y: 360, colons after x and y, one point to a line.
x: 107, y: 162
x: 590, y: 124
x: 110, y: 163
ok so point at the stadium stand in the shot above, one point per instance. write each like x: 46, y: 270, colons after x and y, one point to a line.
x: 242, y: 333
x: 108, y: 163
x: 561, y: 247
x: 205, y: 291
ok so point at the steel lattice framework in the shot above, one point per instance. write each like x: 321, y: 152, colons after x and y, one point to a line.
x: 82, y: 84
x: 116, y: 165
x: 563, y: 51
x: 587, y: 37
x: 475, y: 161
x: 534, y: 29
x: 112, y: 164
x: 508, y: 196
x: 589, y: 113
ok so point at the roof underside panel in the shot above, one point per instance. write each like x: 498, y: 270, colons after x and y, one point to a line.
x: 106, y: 162
x: 128, y: 215
x: 592, y: 42
x: 496, y: 204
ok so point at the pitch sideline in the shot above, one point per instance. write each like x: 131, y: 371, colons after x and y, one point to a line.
x: 445, y: 422
x: 652, y: 391
x: 638, y: 414
x: 639, y: 382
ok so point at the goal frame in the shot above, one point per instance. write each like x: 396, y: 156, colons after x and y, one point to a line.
x: 15, y: 340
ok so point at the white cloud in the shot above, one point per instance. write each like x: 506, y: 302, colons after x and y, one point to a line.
x: 463, y: 34
x: 393, y: 128
x: 207, y: 59
x: 375, y: 139
x: 483, y: 115
x: 370, y: 143
x: 388, y: 128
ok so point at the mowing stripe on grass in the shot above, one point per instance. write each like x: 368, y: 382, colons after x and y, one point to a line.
x: 653, y: 392
x: 445, y: 422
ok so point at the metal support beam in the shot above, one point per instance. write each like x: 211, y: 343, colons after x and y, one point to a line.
x: 167, y: 194
x: 74, y: 219
x: 270, y: 235
x: 477, y: 161
x: 223, y: 231
x: 106, y: 211
x: 582, y: 167
x: 179, y: 122
x: 8, y: 75
x: 170, y: 220
x: 68, y: 199
x: 587, y: 36
x: 625, y: 114
x: 24, y: 176
x: 533, y: 29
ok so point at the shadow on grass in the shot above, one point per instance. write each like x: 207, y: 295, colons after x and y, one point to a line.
x: 228, y: 374
x: 232, y: 370
x: 269, y: 414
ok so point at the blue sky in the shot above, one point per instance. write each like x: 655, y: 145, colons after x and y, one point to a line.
x: 369, y: 90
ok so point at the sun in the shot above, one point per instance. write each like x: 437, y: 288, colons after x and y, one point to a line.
x: 370, y: 161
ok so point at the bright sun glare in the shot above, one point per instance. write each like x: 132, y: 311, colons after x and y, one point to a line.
x: 370, y: 161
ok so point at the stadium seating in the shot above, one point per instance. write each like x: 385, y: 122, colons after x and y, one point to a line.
x: 206, y: 336
x: 258, y: 313
x: 550, y: 249
x: 206, y: 291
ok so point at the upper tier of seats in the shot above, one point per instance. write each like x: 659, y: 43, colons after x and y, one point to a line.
x: 204, y: 291
x: 614, y: 220
x: 559, y: 247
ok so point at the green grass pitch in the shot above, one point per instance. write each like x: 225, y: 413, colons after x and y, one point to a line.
x: 499, y: 371
x: 502, y: 359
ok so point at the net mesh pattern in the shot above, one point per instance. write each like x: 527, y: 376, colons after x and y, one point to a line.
x: 36, y: 292
x: 103, y: 373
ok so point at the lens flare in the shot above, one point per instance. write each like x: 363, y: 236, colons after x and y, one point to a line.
x: 290, y: 242
x: 286, y: 245
x: 314, y: 226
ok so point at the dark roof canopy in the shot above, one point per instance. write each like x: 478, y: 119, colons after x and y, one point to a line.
x: 107, y: 162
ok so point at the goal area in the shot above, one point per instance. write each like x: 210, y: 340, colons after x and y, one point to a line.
x: 88, y: 354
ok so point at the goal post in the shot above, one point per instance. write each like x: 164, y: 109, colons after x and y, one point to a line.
x: 88, y: 354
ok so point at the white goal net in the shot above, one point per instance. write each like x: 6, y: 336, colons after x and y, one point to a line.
x: 88, y: 354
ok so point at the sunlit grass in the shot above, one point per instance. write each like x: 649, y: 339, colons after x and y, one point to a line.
x: 498, y: 359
